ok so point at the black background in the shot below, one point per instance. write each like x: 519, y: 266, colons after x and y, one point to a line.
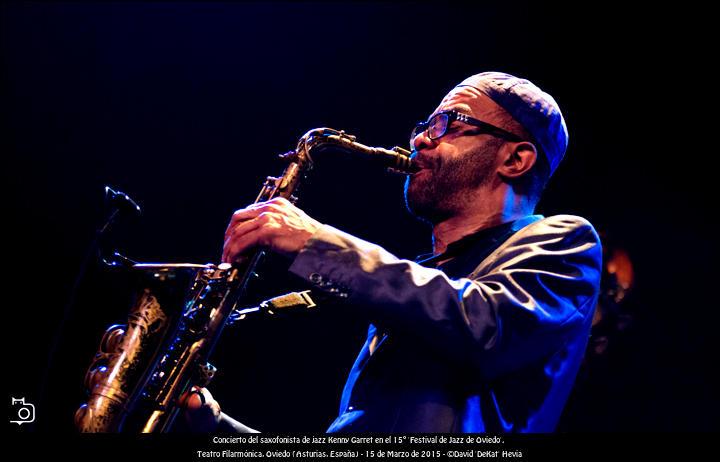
x: 185, y: 105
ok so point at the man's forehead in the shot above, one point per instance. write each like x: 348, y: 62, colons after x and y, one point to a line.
x: 468, y: 100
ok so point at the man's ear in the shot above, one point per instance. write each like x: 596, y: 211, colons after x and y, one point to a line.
x: 519, y: 159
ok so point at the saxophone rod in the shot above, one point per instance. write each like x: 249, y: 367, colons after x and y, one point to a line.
x: 397, y: 158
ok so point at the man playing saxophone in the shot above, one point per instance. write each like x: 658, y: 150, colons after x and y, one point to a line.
x: 485, y: 334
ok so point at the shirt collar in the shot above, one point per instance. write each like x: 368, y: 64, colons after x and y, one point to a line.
x: 477, y: 238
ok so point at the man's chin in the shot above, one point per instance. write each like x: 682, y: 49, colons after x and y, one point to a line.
x: 417, y: 183
x: 421, y: 200
x: 423, y: 210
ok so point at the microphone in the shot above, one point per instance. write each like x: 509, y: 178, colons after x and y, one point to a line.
x: 121, y: 202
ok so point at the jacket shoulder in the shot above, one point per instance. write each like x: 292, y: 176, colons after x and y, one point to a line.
x: 563, y: 221
x: 560, y: 235
x: 558, y: 226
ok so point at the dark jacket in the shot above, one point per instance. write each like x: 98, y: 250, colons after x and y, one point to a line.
x: 495, y: 351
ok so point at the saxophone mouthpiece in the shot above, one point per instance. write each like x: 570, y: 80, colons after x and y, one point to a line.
x: 402, y: 161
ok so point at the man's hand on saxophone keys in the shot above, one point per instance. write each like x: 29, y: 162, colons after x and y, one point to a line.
x: 276, y: 224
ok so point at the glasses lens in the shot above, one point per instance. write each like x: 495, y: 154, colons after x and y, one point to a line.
x: 419, y: 128
x: 437, y: 126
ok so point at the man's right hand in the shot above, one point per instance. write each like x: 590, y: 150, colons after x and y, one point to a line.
x: 201, y: 412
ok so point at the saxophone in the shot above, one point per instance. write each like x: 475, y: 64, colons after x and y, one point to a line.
x: 142, y: 368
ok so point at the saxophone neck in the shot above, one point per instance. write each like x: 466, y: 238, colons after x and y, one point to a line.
x: 397, y: 159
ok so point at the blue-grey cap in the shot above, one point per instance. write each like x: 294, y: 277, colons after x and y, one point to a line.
x: 534, y: 109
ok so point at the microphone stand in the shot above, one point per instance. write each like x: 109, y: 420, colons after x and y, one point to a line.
x: 117, y: 203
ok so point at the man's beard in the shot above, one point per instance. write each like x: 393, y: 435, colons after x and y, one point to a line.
x: 444, y: 190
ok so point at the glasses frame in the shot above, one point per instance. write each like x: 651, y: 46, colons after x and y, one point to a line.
x: 452, y: 116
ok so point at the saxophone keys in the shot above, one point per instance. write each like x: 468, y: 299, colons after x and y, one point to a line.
x: 112, y: 339
x: 206, y: 372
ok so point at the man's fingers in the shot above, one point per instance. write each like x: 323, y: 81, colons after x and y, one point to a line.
x: 251, y: 211
x: 237, y: 245
x: 241, y: 229
x: 277, y: 224
x: 241, y: 216
x: 202, y: 413
x: 195, y: 399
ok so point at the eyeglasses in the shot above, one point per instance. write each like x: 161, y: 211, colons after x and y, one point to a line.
x: 437, y: 126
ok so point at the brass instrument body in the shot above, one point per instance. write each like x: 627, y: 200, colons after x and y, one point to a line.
x: 139, y: 373
x: 129, y: 354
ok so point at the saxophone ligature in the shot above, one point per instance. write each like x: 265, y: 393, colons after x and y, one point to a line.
x: 143, y: 367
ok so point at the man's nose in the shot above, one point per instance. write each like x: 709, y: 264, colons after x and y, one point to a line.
x: 422, y: 141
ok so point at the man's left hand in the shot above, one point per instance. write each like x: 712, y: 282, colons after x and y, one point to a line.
x: 276, y: 224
